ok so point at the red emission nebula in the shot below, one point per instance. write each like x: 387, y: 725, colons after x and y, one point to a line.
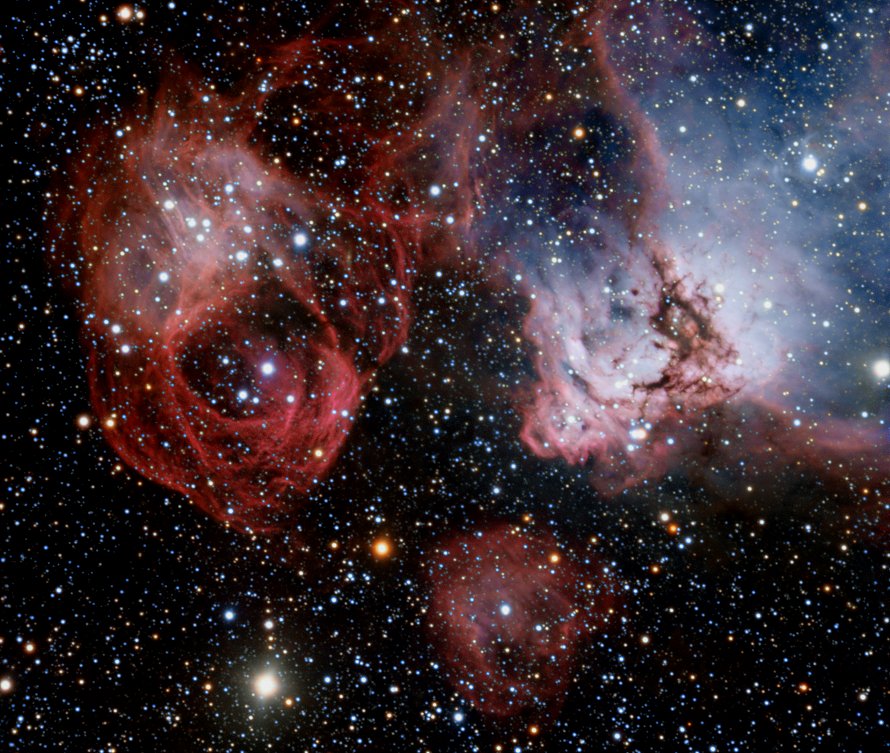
x: 239, y: 295
x: 236, y: 313
x: 508, y: 610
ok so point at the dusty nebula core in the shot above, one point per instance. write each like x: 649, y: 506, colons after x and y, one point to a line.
x: 629, y: 235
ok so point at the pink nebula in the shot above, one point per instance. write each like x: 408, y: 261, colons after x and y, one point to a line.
x: 508, y: 610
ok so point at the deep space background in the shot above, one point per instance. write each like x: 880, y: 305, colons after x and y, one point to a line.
x: 749, y: 607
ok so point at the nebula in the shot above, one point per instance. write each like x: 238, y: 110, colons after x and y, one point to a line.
x: 235, y: 314
x: 240, y: 293
x: 668, y: 327
x: 626, y: 345
x: 508, y: 609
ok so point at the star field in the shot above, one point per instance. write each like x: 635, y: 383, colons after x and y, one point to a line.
x: 444, y: 376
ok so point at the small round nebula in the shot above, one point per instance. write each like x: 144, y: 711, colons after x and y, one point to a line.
x: 508, y: 610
